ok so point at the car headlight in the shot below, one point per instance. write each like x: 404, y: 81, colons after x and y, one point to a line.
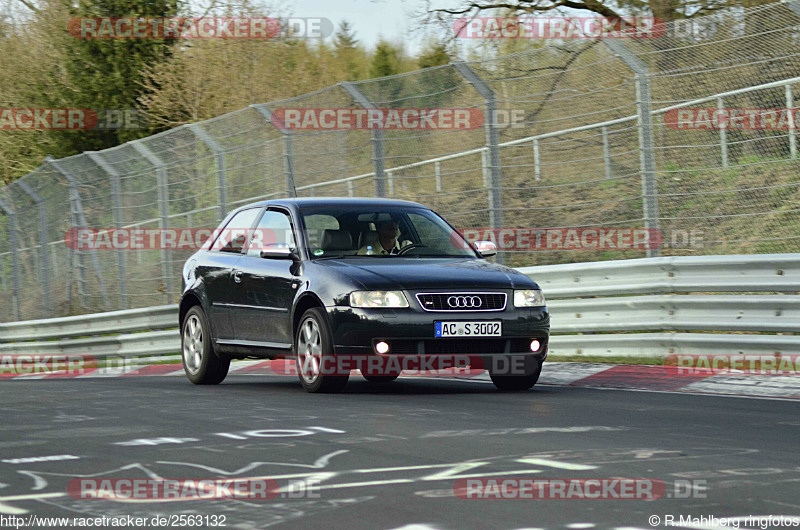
x: 378, y: 299
x: 528, y: 298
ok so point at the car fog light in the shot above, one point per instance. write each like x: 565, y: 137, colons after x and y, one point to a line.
x: 535, y: 345
x: 382, y: 347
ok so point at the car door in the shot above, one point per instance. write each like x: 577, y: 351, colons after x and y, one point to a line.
x: 265, y: 296
x: 217, y: 267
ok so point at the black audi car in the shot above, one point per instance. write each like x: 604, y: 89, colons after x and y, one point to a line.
x: 319, y: 280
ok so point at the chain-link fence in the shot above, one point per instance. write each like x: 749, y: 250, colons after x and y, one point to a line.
x: 587, y: 144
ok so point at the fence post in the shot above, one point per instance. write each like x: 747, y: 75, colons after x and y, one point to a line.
x: 647, y: 159
x: 45, y: 255
x: 537, y: 160
x: 492, y: 144
x: 437, y: 171
x: 378, y: 156
x: 288, y: 149
x: 485, y: 168
x: 792, y: 123
x: 116, y: 206
x: 219, y: 157
x: 80, y: 222
x: 723, y: 136
x: 606, y: 153
x: 12, y: 244
x: 163, y: 208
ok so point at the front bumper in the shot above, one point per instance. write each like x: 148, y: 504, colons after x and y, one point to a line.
x: 410, y: 331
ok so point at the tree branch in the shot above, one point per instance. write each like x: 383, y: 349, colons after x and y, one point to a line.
x: 29, y: 5
x: 594, y: 6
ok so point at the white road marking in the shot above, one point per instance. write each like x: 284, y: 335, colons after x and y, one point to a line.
x: 556, y: 464
x: 417, y: 526
x: 7, y: 509
x: 156, y: 441
x: 38, y: 482
x: 319, y: 463
x: 35, y: 459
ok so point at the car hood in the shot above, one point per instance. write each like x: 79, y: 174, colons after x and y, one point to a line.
x: 426, y: 273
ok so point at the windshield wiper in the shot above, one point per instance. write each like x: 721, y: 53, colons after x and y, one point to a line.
x: 340, y: 256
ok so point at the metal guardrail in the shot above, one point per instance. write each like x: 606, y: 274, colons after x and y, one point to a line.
x: 109, y: 323
x: 611, y: 308
x: 763, y: 273
x: 597, y: 309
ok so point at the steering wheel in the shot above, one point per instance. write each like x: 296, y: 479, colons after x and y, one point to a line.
x: 409, y: 247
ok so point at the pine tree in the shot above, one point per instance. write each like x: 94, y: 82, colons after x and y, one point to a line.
x: 385, y: 61
x: 107, y: 73
x: 348, y: 53
x: 435, y: 54
x: 345, y: 38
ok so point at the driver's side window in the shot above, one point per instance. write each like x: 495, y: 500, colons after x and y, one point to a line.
x: 274, y: 230
x: 233, y: 236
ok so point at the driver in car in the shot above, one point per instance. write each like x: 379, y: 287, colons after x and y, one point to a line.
x: 386, y: 243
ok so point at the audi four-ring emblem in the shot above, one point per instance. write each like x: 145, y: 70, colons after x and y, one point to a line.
x: 464, y: 301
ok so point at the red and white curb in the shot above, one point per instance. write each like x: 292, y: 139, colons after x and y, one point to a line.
x: 588, y: 375
x: 666, y: 379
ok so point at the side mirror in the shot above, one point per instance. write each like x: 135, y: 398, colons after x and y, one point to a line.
x: 280, y: 253
x: 486, y: 248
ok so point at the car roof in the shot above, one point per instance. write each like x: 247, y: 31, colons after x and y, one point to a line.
x: 300, y: 202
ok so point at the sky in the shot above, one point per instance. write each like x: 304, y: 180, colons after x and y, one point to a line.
x: 371, y: 20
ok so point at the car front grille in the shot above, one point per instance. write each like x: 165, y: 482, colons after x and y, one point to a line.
x: 462, y: 301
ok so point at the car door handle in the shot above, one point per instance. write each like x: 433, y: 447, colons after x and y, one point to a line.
x: 237, y: 276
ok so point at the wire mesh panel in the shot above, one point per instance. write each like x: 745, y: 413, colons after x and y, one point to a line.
x: 735, y: 187
x: 572, y: 135
x: 7, y: 293
x: 64, y: 267
x: 29, y: 256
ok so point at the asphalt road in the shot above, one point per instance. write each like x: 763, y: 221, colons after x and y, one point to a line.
x: 388, y: 456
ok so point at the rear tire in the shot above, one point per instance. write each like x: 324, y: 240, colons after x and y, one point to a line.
x: 313, y: 348
x: 201, y: 364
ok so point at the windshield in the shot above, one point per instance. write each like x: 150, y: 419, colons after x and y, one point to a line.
x: 349, y: 230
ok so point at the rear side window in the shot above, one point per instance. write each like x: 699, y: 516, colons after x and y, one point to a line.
x: 234, y: 235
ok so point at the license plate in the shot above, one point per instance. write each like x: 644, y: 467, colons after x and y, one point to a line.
x: 483, y: 328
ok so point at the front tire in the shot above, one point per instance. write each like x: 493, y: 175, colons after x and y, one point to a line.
x: 314, y: 355
x: 201, y: 364
x: 516, y: 383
